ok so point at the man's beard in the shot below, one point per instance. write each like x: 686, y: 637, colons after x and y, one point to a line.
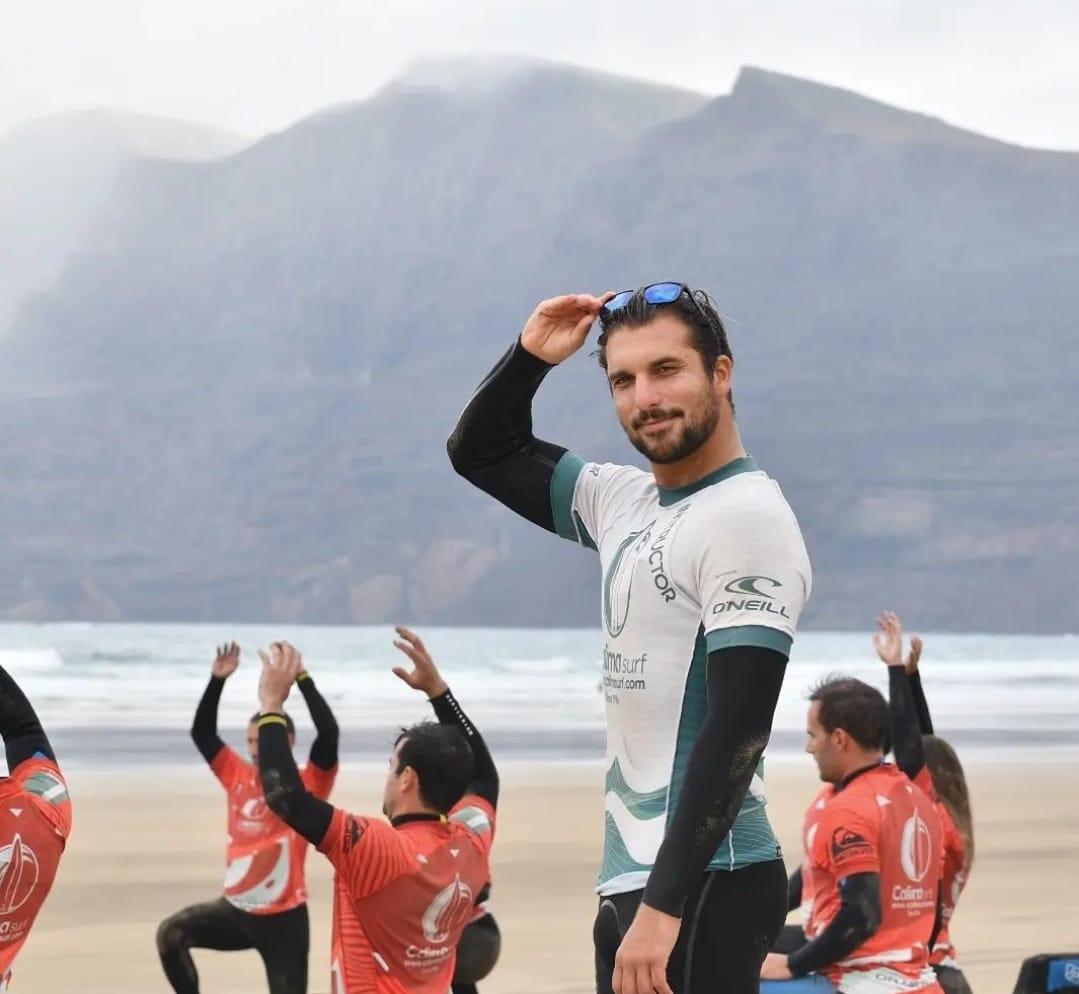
x: 682, y: 439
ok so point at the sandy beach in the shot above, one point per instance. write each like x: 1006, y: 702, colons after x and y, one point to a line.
x: 148, y: 842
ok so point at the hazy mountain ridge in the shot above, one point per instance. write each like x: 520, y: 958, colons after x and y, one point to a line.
x: 57, y: 172
x: 237, y: 407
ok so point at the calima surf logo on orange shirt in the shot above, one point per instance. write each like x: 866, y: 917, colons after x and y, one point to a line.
x: 450, y: 906
x: 917, y: 857
x: 18, y: 875
x: 916, y: 849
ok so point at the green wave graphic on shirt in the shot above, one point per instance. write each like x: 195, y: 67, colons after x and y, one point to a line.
x: 643, y: 805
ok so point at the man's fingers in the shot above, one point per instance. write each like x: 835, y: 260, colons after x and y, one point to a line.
x: 571, y: 303
x: 584, y: 326
x: 413, y: 653
x: 412, y: 639
x: 589, y: 305
x: 659, y: 979
x: 290, y: 651
x: 557, y: 308
x: 616, y: 979
x: 402, y: 674
x: 280, y: 656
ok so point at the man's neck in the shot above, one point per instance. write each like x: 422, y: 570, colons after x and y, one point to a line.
x: 414, y: 812
x: 859, y: 764
x: 723, y: 447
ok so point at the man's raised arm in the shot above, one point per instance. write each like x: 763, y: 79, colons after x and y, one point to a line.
x: 285, y: 793
x: 424, y: 676
x: 492, y: 445
x: 23, y: 736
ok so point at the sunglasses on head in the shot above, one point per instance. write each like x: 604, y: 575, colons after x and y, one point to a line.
x: 655, y: 293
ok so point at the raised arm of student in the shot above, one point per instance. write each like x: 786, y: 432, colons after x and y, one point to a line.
x: 424, y: 676
x: 282, y: 785
x: 902, y: 713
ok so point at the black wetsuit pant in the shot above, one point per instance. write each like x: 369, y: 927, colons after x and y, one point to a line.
x: 282, y: 940
x: 477, y: 954
x: 728, y: 926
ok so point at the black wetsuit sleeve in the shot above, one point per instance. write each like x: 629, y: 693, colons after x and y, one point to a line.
x: 492, y: 445
x: 327, y: 735
x: 484, y: 774
x: 23, y: 736
x: 794, y: 889
x: 903, y: 721
x: 921, y: 705
x: 204, y: 727
x: 743, y: 689
x: 285, y: 793
x: 856, y: 920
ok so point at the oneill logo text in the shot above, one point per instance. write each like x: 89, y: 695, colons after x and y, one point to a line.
x: 751, y: 604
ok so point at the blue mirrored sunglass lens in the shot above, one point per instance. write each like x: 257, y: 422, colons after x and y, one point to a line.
x: 619, y: 300
x: 662, y: 293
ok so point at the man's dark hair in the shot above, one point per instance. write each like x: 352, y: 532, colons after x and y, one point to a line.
x: 442, y: 759
x: 290, y: 727
x: 860, y: 710
x: 696, y: 309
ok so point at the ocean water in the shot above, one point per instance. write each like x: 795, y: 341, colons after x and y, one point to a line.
x: 124, y: 694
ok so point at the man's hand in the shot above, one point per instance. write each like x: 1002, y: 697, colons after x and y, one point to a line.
x: 888, y: 640
x: 640, y: 965
x: 280, y: 667
x: 226, y: 661
x: 424, y: 674
x: 775, y: 967
x: 911, y: 663
x: 560, y: 325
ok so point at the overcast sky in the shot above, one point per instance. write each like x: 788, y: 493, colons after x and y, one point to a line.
x: 1001, y: 67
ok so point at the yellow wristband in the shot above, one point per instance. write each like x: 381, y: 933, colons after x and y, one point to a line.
x: 303, y: 675
x: 272, y: 719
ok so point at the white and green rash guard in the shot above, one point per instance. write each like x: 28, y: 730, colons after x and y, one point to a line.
x: 686, y: 571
